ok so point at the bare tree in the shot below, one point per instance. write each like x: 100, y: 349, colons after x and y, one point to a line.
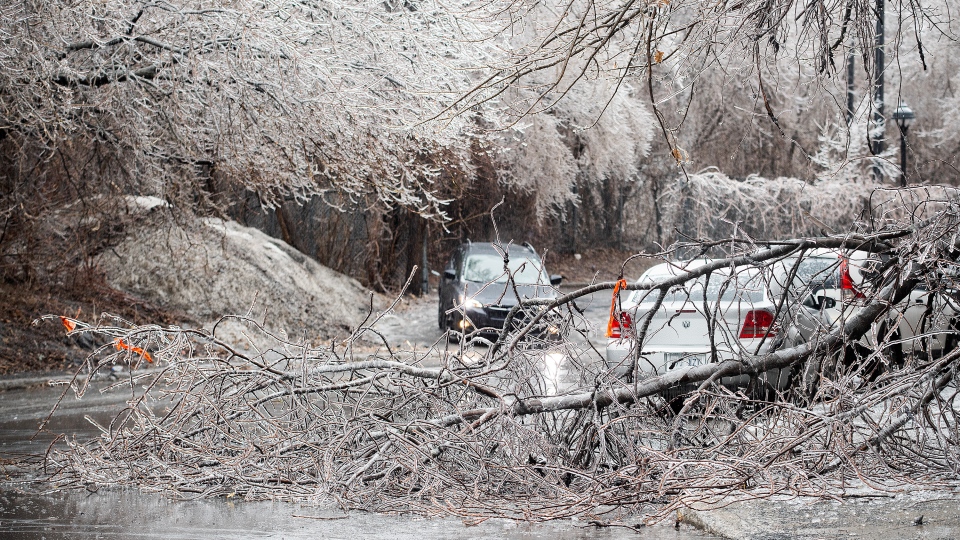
x: 782, y: 58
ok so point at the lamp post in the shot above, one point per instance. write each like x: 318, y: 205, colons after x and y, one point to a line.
x: 903, y: 116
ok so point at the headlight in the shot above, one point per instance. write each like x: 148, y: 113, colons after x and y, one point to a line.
x: 471, y: 303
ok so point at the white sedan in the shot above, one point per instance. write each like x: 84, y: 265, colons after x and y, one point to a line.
x: 725, y: 314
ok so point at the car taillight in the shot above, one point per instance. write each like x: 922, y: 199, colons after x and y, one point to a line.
x: 616, y: 326
x: 757, y: 324
x: 847, y: 291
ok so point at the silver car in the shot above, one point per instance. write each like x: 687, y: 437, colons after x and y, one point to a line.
x: 751, y: 310
x: 725, y: 314
x: 924, y: 323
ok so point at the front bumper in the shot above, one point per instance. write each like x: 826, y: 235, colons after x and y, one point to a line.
x: 491, y: 320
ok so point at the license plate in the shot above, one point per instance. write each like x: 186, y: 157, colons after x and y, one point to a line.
x: 678, y: 360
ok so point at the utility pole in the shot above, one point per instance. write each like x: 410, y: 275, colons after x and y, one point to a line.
x: 879, y: 123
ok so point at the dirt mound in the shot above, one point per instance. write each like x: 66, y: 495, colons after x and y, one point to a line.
x: 26, y: 346
x: 213, y: 268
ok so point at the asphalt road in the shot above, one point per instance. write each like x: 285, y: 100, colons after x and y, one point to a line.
x: 414, y: 321
x: 124, y: 513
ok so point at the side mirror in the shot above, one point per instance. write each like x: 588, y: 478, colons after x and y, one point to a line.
x: 449, y: 274
x: 821, y: 302
x: 556, y: 279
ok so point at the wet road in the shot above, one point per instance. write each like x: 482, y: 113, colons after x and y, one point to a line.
x: 414, y: 322
x: 126, y: 513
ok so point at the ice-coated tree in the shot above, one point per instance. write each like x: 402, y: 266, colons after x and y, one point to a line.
x: 673, y: 49
x: 290, y: 97
x: 594, y: 133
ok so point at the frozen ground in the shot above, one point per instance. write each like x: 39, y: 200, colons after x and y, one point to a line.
x: 124, y: 513
x: 290, y: 287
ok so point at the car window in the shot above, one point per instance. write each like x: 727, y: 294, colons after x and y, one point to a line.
x: 487, y: 268
x: 817, y: 272
x: 745, y: 286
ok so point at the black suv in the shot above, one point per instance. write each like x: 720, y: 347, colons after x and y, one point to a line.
x: 474, y: 289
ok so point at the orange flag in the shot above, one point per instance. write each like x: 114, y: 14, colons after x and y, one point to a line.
x: 122, y: 345
x: 68, y: 324
x: 621, y: 283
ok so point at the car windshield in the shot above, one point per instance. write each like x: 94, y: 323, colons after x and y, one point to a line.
x: 817, y: 272
x: 745, y: 286
x: 487, y: 268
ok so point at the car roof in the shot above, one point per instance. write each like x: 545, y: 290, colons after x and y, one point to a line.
x: 674, y: 268
x: 677, y: 268
x: 490, y: 247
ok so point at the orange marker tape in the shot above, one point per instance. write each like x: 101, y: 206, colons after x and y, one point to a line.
x: 122, y: 345
x: 68, y: 324
x: 613, y: 304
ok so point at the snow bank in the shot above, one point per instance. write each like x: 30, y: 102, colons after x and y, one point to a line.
x: 215, y: 267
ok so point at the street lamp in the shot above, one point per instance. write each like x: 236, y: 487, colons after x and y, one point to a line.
x: 903, y: 116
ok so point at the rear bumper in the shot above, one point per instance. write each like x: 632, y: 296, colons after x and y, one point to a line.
x: 620, y: 355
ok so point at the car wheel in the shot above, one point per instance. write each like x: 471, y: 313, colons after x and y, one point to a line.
x: 677, y: 396
x: 799, y: 393
x: 803, y: 382
x: 761, y: 390
x: 676, y: 402
x: 952, y: 339
x: 892, y: 352
x: 441, y: 317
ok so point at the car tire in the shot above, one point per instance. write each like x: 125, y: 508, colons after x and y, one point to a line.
x: 676, y: 402
x: 952, y: 339
x: 676, y: 397
x: 763, y: 391
x: 893, y: 353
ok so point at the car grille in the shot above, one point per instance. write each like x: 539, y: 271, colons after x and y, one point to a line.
x: 498, y: 314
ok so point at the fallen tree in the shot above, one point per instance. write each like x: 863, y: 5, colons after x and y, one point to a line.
x: 533, y: 428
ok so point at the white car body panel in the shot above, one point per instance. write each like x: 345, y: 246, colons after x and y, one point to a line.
x: 679, y: 332
x: 909, y: 317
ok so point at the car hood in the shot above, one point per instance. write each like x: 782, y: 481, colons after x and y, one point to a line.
x: 501, y: 294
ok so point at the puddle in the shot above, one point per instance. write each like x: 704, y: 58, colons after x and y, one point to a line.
x: 129, y: 513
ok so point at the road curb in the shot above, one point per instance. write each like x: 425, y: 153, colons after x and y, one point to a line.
x: 715, y: 522
x: 872, y: 515
x: 22, y: 382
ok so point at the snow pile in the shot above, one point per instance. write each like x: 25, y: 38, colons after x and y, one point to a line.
x: 146, y: 203
x: 215, y: 267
